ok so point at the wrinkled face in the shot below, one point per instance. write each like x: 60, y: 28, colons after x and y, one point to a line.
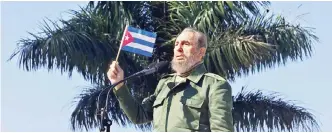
x: 186, y: 52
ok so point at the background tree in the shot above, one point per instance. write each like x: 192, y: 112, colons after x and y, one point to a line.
x: 243, y: 39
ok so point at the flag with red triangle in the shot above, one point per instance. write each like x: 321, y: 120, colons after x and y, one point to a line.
x: 138, y: 41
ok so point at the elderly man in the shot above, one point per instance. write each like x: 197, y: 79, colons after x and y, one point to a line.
x: 189, y: 100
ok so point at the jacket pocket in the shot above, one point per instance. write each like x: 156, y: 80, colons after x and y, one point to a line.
x: 192, y: 102
x: 191, y: 109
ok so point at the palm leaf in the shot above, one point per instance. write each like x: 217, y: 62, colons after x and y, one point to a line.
x: 87, y: 43
x: 89, y: 104
x: 206, y: 16
x: 258, y: 43
x: 254, y: 111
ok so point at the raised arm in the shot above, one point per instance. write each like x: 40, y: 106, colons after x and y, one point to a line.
x: 135, y: 111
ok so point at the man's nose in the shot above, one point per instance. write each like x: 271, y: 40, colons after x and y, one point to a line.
x: 179, y: 48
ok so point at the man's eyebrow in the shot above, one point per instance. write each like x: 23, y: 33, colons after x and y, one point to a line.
x: 185, y: 40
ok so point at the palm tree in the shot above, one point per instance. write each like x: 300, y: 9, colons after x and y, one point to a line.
x: 243, y: 38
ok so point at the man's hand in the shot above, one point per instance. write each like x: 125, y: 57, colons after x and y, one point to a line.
x: 115, y: 74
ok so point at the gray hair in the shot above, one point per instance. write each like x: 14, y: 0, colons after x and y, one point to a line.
x: 201, y: 37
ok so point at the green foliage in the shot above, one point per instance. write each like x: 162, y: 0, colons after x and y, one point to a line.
x: 255, y: 111
x: 242, y: 39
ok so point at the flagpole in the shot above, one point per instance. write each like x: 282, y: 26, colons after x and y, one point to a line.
x: 124, y: 32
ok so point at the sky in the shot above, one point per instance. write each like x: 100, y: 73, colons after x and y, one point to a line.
x: 42, y: 100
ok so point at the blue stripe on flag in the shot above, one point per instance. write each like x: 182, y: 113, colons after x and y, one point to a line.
x: 146, y: 33
x: 137, y: 51
x: 146, y: 43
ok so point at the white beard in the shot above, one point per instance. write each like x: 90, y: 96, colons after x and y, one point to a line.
x: 183, y: 66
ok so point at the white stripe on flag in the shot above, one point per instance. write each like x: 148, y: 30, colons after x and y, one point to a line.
x: 140, y: 46
x: 145, y: 38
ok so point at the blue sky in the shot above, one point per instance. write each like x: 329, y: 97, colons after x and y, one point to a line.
x: 42, y: 100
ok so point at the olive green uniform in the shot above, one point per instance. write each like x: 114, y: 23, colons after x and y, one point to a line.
x: 199, y: 102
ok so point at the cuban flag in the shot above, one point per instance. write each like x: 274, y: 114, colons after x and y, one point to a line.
x: 138, y: 41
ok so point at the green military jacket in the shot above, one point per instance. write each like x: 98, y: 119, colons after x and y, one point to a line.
x: 200, y: 102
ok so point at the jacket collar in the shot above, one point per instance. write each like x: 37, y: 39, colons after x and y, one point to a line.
x: 197, y: 73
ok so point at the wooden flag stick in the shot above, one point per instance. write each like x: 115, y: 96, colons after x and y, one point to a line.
x: 124, y: 32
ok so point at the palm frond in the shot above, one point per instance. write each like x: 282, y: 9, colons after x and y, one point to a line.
x: 254, y: 111
x: 258, y: 43
x: 88, y: 106
x: 206, y: 16
x: 87, y: 43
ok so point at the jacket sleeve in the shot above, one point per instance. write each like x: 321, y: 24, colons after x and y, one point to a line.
x: 137, y: 112
x: 220, y: 107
